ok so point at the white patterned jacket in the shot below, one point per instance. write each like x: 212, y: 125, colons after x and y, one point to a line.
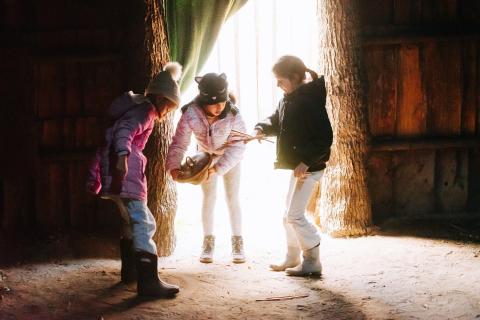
x: 209, y: 137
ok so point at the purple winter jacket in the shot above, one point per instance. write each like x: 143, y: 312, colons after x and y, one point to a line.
x: 133, y: 117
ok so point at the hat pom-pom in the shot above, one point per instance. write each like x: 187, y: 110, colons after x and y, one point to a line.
x: 175, y: 70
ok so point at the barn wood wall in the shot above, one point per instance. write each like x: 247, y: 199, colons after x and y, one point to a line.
x: 65, y: 61
x: 422, y: 74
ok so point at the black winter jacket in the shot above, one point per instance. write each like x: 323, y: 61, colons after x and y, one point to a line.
x: 302, y: 127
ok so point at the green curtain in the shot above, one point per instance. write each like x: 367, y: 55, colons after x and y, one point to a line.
x: 193, y: 27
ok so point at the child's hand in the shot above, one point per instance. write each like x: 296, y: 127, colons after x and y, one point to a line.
x: 122, y: 165
x: 258, y: 134
x: 300, y: 171
x: 211, y: 172
x: 174, y: 173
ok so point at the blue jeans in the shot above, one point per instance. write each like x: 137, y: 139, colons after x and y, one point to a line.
x: 143, y: 225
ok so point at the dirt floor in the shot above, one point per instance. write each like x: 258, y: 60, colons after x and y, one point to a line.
x: 376, y: 277
x: 433, y: 273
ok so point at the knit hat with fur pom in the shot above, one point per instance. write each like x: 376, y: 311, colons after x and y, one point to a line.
x: 166, y: 82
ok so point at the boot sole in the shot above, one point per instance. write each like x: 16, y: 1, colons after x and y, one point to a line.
x: 238, y: 261
x: 156, y: 296
x: 206, y: 260
x: 277, y: 268
x: 308, y: 274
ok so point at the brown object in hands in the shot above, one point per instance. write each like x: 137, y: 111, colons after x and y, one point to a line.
x: 194, y: 169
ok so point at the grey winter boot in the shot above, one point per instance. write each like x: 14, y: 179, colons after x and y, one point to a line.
x: 238, y: 253
x: 128, y: 272
x: 148, y: 283
x: 208, y: 249
x: 292, y: 259
x: 310, y: 265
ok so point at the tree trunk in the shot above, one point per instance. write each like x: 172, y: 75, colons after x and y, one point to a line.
x: 345, y: 201
x: 162, y: 197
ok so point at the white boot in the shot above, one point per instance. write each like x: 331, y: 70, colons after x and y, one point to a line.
x: 291, y: 260
x: 238, y: 255
x: 310, y: 265
x: 207, y: 249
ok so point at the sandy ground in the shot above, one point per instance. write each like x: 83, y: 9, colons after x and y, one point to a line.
x: 366, y: 278
x: 375, y: 277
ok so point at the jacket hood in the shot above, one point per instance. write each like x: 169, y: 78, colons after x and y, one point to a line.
x: 125, y: 103
x: 314, y: 88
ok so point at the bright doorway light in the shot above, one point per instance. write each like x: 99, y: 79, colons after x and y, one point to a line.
x: 248, y: 46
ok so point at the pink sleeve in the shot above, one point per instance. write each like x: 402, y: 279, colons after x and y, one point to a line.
x: 234, y: 153
x: 179, y: 144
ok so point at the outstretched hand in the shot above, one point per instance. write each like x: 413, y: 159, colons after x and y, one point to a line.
x: 300, y: 171
x: 211, y: 172
x: 259, y: 135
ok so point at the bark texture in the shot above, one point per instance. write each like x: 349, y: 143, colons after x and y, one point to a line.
x: 345, y: 208
x: 162, y: 195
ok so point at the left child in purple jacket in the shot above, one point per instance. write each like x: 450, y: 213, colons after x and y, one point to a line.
x: 118, y: 173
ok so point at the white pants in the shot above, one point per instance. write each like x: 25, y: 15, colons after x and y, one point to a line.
x: 231, y: 181
x: 299, y: 230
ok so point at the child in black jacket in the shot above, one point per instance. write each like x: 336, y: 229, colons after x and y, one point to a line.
x: 304, y: 136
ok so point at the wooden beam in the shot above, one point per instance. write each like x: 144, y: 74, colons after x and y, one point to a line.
x: 76, y: 57
x: 49, y: 156
x: 415, y: 38
x: 425, y: 144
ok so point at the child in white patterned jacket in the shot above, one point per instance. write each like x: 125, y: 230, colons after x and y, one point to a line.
x: 211, y: 117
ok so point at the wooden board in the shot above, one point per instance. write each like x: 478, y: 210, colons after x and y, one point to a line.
x: 451, y: 180
x: 381, y: 64
x: 406, y: 12
x: 469, y: 11
x: 48, y: 94
x: 68, y: 142
x: 51, y: 198
x: 411, y: 107
x: 473, y: 200
x: 439, y: 11
x: 17, y: 203
x: 470, y: 92
x: 73, y: 91
x: 376, y: 12
x: 413, y: 182
x: 443, y: 88
x: 52, y: 134
x: 380, y: 185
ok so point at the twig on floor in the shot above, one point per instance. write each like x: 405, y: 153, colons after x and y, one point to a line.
x: 283, y: 298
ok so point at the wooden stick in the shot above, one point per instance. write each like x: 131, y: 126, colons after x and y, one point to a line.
x: 284, y: 298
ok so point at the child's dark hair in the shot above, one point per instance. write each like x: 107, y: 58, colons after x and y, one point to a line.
x: 288, y: 66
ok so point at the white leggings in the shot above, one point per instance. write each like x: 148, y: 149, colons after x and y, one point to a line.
x: 231, y: 181
x: 299, y: 230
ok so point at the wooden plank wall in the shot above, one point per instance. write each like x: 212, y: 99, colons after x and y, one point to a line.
x: 71, y: 57
x: 422, y: 65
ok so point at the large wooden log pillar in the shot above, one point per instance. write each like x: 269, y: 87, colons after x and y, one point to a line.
x: 149, y: 44
x: 345, y: 208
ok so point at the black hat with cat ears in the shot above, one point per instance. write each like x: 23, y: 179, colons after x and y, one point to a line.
x: 213, y: 88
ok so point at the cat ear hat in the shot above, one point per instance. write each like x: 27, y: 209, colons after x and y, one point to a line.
x: 213, y: 88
